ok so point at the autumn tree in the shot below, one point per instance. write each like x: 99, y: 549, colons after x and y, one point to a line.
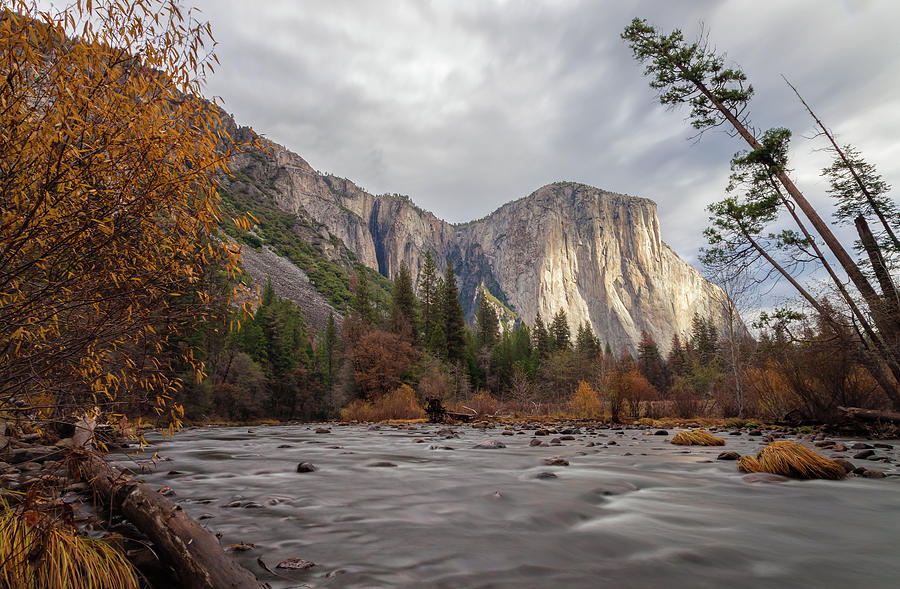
x: 108, y: 229
x: 380, y: 360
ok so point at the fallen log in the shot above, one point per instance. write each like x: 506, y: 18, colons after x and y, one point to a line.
x: 191, y: 550
x: 870, y: 414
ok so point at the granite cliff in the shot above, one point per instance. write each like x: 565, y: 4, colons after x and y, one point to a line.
x: 595, y: 254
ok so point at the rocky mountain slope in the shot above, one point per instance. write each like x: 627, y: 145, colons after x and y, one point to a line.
x: 595, y: 254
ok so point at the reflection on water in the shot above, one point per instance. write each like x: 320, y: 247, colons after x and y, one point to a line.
x: 641, y: 513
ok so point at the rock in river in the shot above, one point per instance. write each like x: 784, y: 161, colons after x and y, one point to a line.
x: 491, y: 445
x: 306, y: 467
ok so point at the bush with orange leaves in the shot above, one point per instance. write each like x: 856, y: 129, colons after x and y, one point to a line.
x: 482, y: 403
x: 585, y: 402
x: 402, y: 403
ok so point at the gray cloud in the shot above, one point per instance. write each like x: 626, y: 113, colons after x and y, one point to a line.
x: 467, y: 105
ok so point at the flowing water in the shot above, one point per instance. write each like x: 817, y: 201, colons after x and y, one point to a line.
x: 639, y: 513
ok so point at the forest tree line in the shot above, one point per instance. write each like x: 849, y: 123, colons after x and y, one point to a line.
x: 386, y: 360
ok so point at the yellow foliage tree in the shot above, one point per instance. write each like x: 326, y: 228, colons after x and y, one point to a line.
x: 108, y: 160
x: 586, y: 403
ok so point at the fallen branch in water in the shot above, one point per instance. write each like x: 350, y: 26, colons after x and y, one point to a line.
x: 190, y: 549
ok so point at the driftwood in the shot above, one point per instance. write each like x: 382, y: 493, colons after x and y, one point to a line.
x: 870, y: 414
x: 191, y: 550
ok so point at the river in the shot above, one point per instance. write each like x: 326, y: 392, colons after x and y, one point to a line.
x: 638, y: 513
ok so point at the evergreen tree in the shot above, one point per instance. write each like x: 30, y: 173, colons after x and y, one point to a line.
x: 649, y: 361
x: 559, y: 331
x: 586, y: 343
x: 454, y: 318
x: 437, y: 340
x: 486, y: 322
x: 428, y: 295
x: 404, y: 314
x: 677, y: 358
x: 363, y: 305
x: 542, y: 343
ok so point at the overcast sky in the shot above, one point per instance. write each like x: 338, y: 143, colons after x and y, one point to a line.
x: 467, y: 105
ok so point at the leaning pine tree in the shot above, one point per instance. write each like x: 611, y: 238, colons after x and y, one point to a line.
x: 693, y: 74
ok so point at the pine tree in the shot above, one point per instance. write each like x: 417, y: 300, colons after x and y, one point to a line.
x: 404, y: 314
x: 586, y: 343
x: 559, y: 331
x: 362, y: 299
x: 486, y: 322
x: 649, y: 361
x: 677, y: 359
x: 428, y: 293
x: 454, y: 318
x: 541, y: 336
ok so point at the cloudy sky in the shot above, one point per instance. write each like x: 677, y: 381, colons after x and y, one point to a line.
x: 467, y: 105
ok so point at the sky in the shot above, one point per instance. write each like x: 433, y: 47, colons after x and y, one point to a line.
x: 467, y: 105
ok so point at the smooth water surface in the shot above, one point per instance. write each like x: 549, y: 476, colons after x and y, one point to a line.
x: 640, y: 513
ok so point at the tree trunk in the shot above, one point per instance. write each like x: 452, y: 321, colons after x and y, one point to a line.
x: 181, y: 542
x: 870, y: 414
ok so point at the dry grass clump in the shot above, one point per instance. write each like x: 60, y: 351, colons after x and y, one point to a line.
x: 794, y: 460
x: 749, y: 463
x: 400, y: 404
x: 699, y: 437
x: 35, y: 553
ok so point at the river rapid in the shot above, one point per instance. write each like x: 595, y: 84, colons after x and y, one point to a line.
x: 637, y: 513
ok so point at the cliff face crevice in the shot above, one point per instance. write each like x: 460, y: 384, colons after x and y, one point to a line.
x: 597, y: 255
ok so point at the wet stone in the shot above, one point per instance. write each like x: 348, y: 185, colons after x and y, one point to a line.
x: 660, y: 432
x: 860, y: 446
x: 728, y: 455
x: 556, y: 461
x: 381, y: 464
x: 491, y: 445
x: 873, y: 474
x: 323, y: 430
x: 845, y: 464
x: 864, y: 454
x: 883, y: 446
x: 534, y: 442
x: 546, y: 475
x: 306, y: 467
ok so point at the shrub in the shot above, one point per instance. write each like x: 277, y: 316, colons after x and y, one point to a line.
x: 483, y: 403
x: 585, y: 402
x: 400, y: 404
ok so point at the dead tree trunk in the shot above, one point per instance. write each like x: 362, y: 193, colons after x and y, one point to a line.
x: 187, y: 547
x: 870, y: 414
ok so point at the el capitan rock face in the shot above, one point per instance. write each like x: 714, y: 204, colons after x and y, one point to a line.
x: 597, y: 255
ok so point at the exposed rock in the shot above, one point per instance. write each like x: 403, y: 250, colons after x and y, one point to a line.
x: 295, y: 564
x: 660, y: 432
x: 323, y: 430
x: 556, y: 461
x: 845, y: 464
x: 728, y: 455
x: 534, y: 442
x: 545, y: 475
x: 306, y: 467
x: 864, y: 454
x: 873, y: 474
x: 597, y: 255
x: 381, y: 464
x: 860, y: 446
x: 491, y: 445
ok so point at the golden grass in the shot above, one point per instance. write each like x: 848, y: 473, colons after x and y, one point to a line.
x: 699, y: 437
x: 791, y: 459
x: 35, y: 553
x: 749, y: 463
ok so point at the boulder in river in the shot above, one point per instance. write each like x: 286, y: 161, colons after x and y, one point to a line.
x: 306, y: 467
x: 556, y: 461
x: 728, y: 455
x: 491, y: 445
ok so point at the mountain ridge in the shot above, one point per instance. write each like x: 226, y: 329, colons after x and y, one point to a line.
x: 596, y: 254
